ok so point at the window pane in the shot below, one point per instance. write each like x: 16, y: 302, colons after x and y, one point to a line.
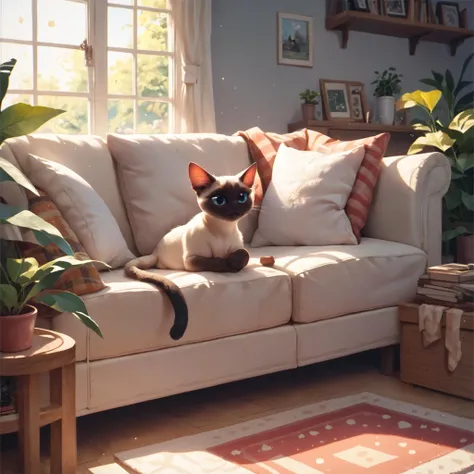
x: 120, y: 28
x: 152, y: 31
x: 120, y: 75
x: 61, y: 21
x: 152, y: 76
x: 11, y: 99
x: 61, y: 69
x: 16, y: 19
x: 121, y: 2
x: 152, y: 117
x: 22, y: 74
x: 75, y: 120
x: 120, y: 116
x: 153, y: 3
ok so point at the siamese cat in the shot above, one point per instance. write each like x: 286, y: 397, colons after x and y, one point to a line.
x: 210, y: 241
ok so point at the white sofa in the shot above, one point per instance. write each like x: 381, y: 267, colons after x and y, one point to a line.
x: 317, y: 303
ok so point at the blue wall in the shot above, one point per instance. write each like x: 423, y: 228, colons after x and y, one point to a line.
x: 251, y: 89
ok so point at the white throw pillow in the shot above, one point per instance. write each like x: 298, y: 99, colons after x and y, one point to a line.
x: 82, y: 208
x: 304, y: 203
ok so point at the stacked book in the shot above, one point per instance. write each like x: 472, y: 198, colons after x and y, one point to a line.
x: 449, y: 285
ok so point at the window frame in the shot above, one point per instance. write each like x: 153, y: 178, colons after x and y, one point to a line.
x: 98, y: 95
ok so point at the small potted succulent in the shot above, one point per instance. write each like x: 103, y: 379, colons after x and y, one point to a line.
x: 387, y: 85
x: 24, y: 283
x: 310, y: 100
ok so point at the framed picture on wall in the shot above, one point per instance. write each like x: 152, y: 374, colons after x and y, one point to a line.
x: 295, y: 40
x: 448, y: 13
x: 335, y: 95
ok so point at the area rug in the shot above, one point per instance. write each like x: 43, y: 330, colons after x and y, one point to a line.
x: 362, y: 433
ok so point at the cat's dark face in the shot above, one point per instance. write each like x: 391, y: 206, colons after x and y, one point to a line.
x: 225, y: 197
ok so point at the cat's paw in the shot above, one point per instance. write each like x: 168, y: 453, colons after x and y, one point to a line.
x: 238, y: 260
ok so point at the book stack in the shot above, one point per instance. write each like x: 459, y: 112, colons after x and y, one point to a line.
x: 7, y: 402
x: 449, y: 285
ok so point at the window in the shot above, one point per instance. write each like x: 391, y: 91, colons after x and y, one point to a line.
x: 126, y: 87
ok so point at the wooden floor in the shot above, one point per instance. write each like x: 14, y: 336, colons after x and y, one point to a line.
x: 102, y: 435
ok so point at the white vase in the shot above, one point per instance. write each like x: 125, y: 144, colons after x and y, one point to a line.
x: 386, y: 109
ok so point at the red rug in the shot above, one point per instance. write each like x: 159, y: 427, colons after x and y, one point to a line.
x: 363, y: 433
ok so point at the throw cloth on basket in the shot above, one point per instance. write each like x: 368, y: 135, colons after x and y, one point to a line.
x: 429, y: 323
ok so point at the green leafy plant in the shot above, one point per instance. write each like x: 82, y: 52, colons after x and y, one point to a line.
x: 456, y: 141
x: 388, y: 83
x: 22, y: 280
x: 451, y: 90
x: 309, y: 97
x: 20, y: 119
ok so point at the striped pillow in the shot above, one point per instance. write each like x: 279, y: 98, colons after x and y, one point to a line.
x: 264, y: 147
x: 81, y: 280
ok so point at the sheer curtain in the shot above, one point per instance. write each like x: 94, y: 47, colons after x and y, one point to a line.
x: 194, y: 95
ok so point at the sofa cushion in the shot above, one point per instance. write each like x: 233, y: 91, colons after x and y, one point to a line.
x: 330, y: 281
x: 136, y: 317
x: 87, y: 156
x: 82, y: 208
x: 153, y: 174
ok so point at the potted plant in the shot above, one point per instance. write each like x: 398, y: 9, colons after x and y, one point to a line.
x: 387, y: 85
x: 456, y: 141
x: 23, y: 282
x: 310, y: 100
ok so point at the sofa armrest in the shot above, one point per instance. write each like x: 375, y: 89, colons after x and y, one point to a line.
x: 407, y: 203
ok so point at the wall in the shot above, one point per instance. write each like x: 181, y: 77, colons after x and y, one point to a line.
x: 251, y: 89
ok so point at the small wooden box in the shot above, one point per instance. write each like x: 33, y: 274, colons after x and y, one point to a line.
x: 428, y: 366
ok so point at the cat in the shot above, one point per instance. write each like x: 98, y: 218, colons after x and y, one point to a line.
x: 210, y: 241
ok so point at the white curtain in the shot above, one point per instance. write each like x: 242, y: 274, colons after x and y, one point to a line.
x: 194, y: 94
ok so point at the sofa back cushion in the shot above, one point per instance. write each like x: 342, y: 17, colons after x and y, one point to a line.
x: 87, y: 156
x: 153, y: 176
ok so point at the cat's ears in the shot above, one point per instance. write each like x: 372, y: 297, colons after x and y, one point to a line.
x: 199, y: 177
x: 248, y: 176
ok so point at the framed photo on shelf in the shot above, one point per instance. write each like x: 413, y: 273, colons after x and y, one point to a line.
x: 295, y: 40
x: 396, y: 8
x: 361, y: 5
x: 357, y: 101
x: 343, y: 100
x: 374, y: 7
x: 448, y: 14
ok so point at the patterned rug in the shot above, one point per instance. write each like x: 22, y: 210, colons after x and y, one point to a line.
x: 362, y: 433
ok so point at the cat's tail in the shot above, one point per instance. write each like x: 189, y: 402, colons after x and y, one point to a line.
x: 137, y: 269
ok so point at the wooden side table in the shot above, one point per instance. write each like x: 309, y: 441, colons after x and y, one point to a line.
x: 54, y: 353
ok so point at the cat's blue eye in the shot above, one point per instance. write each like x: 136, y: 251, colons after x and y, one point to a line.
x: 243, y: 197
x: 219, y: 200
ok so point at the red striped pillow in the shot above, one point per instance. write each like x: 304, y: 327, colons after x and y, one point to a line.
x: 264, y: 146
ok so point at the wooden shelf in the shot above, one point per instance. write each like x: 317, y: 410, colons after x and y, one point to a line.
x: 347, y: 125
x: 397, y: 27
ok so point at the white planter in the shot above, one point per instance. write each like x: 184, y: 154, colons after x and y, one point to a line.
x: 386, y: 109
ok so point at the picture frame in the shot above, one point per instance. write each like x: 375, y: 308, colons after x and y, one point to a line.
x: 374, y: 7
x: 344, y: 100
x: 295, y: 40
x: 335, y: 98
x: 448, y: 14
x: 357, y: 101
x: 396, y: 8
x: 361, y: 5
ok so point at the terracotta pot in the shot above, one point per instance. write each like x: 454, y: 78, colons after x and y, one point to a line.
x: 465, y: 249
x: 308, y: 111
x: 16, y: 332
